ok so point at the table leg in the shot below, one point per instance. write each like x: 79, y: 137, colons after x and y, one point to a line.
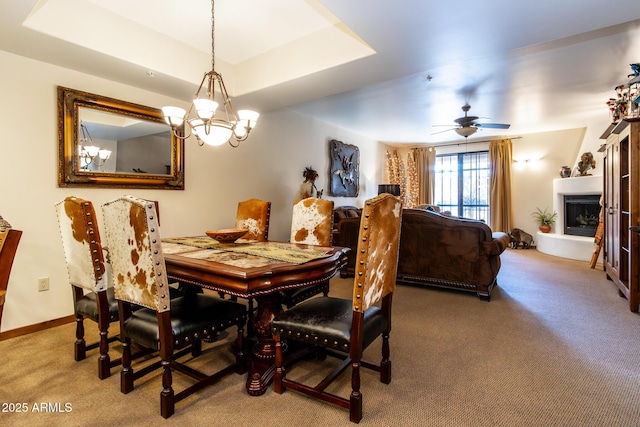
x: 262, y: 356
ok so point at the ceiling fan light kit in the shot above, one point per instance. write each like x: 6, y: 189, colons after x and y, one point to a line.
x: 468, y: 125
x: 466, y: 131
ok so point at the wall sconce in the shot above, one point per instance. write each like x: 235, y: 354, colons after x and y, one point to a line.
x: 526, y: 162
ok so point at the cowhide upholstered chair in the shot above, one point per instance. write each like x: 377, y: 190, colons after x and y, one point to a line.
x: 311, y: 224
x: 253, y: 214
x: 9, y: 239
x: 93, y: 296
x: 161, y: 324
x: 345, y: 327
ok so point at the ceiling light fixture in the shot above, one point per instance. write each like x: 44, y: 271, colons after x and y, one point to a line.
x: 466, y: 131
x: 209, y: 128
x: 90, y: 154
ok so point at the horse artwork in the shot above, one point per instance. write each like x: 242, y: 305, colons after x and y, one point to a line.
x: 345, y: 159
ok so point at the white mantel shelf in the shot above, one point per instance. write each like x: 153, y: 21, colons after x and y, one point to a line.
x: 566, y: 246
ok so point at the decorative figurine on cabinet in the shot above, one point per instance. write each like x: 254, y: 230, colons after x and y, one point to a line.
x: 586, y: 163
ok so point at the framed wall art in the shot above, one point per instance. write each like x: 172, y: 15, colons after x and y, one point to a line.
x: 345, y: 160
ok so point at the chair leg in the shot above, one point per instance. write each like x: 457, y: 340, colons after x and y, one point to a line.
x: 355, y: 408
x: 279, y: 374
x: 385, y: 363
x: 196, y: 348
x: 250, y: 329
x: 126, y: 376
x: 104, y: 361
x: 325, y: 292
x: 355, y: 400
x: 80, y: 349
x: 167, y: 398
x: 241, y: 352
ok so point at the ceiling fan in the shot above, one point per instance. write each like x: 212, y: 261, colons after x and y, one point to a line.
x: 468, y: 125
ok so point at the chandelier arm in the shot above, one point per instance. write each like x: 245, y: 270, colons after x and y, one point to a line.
x: 204, y: 77
x: 181, y: 137
x: 227, y: 99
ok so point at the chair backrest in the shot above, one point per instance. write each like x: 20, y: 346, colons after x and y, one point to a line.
x: 253, y: 214
x: 312, y: 222
x: 9, y: 239
x: 81, y: 243
x: 135, y: 250
x: 377, y: 254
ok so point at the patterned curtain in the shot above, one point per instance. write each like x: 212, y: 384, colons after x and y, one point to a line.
x: 425, y: 159
x: 501, y: 212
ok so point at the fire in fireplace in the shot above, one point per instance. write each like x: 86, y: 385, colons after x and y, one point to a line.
x: 581, y: 213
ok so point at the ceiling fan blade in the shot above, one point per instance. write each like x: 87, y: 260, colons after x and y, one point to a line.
x: 446, y: 130
x: 493, y: 125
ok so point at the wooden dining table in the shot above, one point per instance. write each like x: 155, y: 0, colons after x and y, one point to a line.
x: 259, y: 270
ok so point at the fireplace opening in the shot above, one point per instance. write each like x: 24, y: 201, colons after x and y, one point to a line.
x: 581, y: 213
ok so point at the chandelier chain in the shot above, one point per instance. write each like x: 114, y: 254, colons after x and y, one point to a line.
x: 213, y: 37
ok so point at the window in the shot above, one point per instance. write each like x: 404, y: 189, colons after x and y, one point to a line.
x: 462, y: 184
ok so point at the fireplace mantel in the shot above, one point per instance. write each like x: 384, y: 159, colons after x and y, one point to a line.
x: 557, y: 243
x: 573, y: 186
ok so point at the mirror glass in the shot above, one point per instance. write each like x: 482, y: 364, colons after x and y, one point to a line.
x: 108, y: 142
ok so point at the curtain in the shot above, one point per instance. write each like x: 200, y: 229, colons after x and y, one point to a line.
x: 425, y: 159
x: 501, y: 213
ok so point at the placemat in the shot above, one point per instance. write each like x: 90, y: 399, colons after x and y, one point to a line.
x: 280, y: 251
x: 205, y: 242
x: 286, y: 252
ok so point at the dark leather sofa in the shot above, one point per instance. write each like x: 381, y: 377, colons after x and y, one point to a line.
x: 438, y: 250
x: 346, y: 226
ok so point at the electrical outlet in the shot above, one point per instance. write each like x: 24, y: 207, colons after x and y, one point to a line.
x: 43, y: 284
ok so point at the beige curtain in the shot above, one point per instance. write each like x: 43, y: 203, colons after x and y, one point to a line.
x: 501, y: 213
x: 425, y: 164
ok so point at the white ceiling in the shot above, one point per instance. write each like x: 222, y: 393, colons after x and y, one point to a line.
x: 359, y: 64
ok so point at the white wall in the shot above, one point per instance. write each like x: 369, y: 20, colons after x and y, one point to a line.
x: 268, y: 165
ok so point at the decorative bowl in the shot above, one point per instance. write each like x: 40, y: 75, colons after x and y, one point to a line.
x: 227, y: 235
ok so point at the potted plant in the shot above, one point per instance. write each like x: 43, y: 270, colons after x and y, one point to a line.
x: 545, y: 218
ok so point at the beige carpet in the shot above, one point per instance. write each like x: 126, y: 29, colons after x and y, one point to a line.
x: 556, y: 346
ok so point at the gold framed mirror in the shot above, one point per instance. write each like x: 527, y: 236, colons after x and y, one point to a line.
x: 107, y: 142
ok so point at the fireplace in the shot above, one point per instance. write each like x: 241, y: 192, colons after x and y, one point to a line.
x: 581, y: 213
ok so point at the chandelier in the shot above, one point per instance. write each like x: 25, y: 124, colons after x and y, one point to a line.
x: 89, y: 153
x: 212, y: 127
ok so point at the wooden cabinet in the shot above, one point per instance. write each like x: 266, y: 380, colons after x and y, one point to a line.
x: 622, y: 209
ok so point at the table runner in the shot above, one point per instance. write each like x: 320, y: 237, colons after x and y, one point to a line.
x: 280, y: 251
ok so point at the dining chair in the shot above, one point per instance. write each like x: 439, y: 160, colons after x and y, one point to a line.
x: 9, y: 239
x: 311, y: 224
x: 345, y: 327
x: 253, y: 214
x: 160, y: 323
x: 93, y: 297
